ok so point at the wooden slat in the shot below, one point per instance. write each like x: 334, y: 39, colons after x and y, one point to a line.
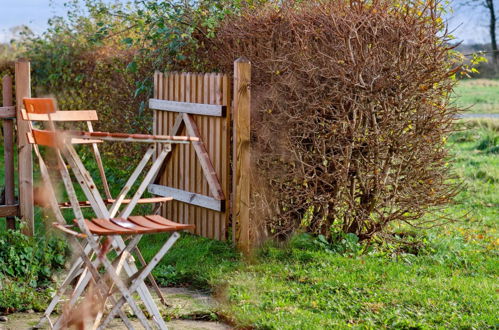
x: 7, y: 112
x: 176, y: 158
x: 63, y: 115
x: 98, y: 159
x: 190, y: 154
x: 210, y: 145
x: 25, y: 160
x: 9, y: 210
x: 204, y: 159
x: 85, y: 141
x: 39, y: 105
x: 226, y: 152
x: 181, y: 154
x: 169, y: 92
x: 242, y: 160
x: 8, y: 144
x: 201, y: 183
x: 147, y: 137
x: 155, y: 119
x: 187, y: 197
x: 150, y: 200
x: 206, y: 216
x: 45, y: 138
x: 188, y: 107
x: 218, y: 148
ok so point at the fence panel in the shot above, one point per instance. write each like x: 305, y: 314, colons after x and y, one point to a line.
x: 197, y: 175
x: 8, y: 114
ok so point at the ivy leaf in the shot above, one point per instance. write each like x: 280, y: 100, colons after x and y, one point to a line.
x: 127, y: 41
x: 131, y: 67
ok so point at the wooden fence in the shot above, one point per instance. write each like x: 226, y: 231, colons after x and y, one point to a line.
x: 199, y: 176
x: 209, y: 179
x: 21, y: 207
x: 8, y: 206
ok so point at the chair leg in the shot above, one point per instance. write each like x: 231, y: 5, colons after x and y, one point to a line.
x: 75, y: 270
x: 139, y: 280
x: 151, y: 278
x: 142, y: 290
x: 91, y: 272
x: 121, y: 260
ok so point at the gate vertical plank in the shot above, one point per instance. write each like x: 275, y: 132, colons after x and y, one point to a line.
x: 181, y: 154
x: 199, y: 179
x: 164, y: 120
x: 210, y: 145
x: 187, y: 149
x: 8, y: 139
x: 226, y: 153
x: 155, y: 113
x: 160, y: 92
x: 169, y: 177
x: 176, y: 157
x: 204, y: 133
x: 25, y: 159
x: 217, y: 138
x: 242, y: 160
x: 192, y: 159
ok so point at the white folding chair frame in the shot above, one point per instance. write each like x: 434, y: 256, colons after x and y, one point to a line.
x: 84, y: 267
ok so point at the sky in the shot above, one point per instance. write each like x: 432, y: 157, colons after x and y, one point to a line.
x: 469, y: 25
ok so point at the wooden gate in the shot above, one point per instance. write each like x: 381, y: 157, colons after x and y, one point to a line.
x: 197, y: 175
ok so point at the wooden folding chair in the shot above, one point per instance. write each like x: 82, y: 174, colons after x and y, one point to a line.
x: 107, y: 223
x: 39, y: 109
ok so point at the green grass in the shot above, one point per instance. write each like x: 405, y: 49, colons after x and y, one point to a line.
x: 478, y: 95
x: 450, y: 281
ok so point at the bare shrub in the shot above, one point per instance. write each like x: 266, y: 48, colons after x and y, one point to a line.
x: 350, y: 111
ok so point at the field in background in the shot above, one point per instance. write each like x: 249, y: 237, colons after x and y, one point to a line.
x: 478, y: 95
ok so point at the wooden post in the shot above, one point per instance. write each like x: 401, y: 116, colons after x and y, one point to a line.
x: 25, y: 160
x: 8, y: 139
x: 242, y: 157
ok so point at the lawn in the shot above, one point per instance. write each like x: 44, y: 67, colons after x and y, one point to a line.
x: 478, y: 95
x: 447, y: 281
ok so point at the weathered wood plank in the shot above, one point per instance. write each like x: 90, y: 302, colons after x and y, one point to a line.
x: 181, y: 154
x: 214, y: 110
x: 226, y: 152
x: 63, y: 115
x: 9, y: 210
x: 25, y: 159
x: 242, y: 152
x: 204, y: 159
x: 187, y: 197
x: 8, y: 143
x: 7, y: 112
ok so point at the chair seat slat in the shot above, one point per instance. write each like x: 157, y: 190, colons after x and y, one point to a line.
x: 134, y: 225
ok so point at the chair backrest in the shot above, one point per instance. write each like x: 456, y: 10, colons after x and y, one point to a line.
x: 45, y: 110
x: 43, y: 138
x: 39, y: 105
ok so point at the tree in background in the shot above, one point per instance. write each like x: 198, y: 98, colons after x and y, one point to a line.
x: 489, y: 5
x: 490, y: 9
x: 17, y: 35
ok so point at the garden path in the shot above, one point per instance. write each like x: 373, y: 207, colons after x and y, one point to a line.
x: 188, y: 310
